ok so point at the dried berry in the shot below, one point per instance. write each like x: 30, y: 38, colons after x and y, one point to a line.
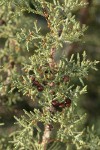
x: 62, y: 105
x: 55, y: 103
x: 40, y: 88
x: 36, y: 83
x: 66, y: 78
x: 67, y: 102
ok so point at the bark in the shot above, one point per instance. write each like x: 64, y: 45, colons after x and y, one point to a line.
x: 49, y: 127
x: 46, y: 136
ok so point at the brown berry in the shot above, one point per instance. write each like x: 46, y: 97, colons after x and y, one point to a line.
x: 62, y: 105
x: 67, y: 102
x: 40, y: 88
x: 35, y: 83
x: 55, y: 103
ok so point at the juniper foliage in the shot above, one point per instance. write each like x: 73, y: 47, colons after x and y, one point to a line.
x: 48, y: 82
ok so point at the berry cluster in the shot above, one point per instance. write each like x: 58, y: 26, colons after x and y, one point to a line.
x: 36, y: 83
x: 59, y: 106
x: 49, y: 81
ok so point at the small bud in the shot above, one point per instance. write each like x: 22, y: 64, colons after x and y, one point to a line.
x: 46, y: 15
x: 52, y: 84
x: 52, y: 92
x: 66, y: 78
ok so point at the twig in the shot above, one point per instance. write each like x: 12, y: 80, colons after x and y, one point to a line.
x: 49, y: 127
